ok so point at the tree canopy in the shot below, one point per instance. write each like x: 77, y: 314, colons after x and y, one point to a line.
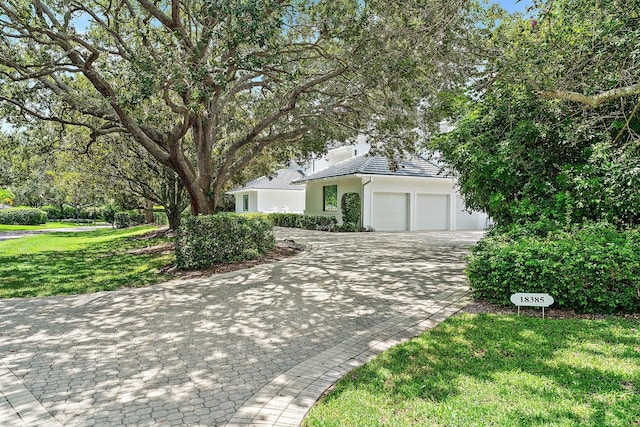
x: 207, y: 86
x: 550, y: 132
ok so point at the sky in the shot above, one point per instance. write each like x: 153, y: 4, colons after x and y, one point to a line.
x: 513, y: 5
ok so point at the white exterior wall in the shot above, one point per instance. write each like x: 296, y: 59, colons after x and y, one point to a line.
x: 367, y: 186
x: 253, y: 201
x: 272, y: 201
x: 470, y: 221
x: 281, y: 201
x: 314, y: 195
x: 412, y: 187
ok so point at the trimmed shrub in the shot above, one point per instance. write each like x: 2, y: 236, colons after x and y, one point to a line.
x: 223, y: 238
x: 22, y: 216
x: 53, y: 212
x: 349, y: 227
x: 308, y: 222
x: 595, y: 269
x: 286, y: 220
x: 128, y: 219
x: 351, y: 208
x: 320, y: 223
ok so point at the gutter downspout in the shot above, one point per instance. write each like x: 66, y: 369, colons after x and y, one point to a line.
x: 362, y: 218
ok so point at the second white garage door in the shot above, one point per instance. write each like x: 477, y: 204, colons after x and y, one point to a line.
x: 390, y: 211
x: 432, y: 212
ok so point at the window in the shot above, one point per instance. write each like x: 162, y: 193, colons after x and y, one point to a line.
x: 245, y: 203
x: 330, y: 198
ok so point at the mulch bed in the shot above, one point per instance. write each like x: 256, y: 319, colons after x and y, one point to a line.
x: 549, y: 313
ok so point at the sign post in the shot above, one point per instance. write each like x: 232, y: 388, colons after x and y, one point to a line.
x: 532, y: 300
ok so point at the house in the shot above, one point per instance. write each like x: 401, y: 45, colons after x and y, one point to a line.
x: 415, y: 196
x: 271, y: 194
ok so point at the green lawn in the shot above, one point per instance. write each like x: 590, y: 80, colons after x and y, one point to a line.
x: 72, y: 263
x: 496, y: 370
x: 47, y: 226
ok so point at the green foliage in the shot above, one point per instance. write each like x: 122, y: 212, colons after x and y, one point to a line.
x: 128, y: 219
x: 318, y: 222
x: 349, y: 227
x: 22, y: 216
x: 495, y: 370
x: 351, y: 209
x: 75, y: 263
x: 205, y: 240
x: 160, y: 218
x: 592, y: 269
x: 286, y: 220
x: 308, y: 222
x: 272, y: 77
x: 6, y: 196
x: 109, y: 213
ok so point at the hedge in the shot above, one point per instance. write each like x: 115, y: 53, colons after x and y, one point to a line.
x: 351, y: 208
x: 223, y: 238
x: 595, y: 269
x: 22, y: 216
x: 309, y: 222
x: 128, y: 219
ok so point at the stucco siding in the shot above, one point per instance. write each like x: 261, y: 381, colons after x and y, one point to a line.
x: 281, y: 201
x: 314, y: 201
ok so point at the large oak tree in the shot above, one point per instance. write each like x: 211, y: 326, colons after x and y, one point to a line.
x: 205, y: 86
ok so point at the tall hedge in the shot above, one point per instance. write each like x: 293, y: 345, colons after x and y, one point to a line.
x: 205, y: 240
x: 22, y: 216
x: 595, y: 269
x: 351, y: 209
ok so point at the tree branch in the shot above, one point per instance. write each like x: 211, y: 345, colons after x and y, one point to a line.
x: 593, y: 101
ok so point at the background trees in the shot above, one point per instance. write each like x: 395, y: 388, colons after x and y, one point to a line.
x: 206, y: 87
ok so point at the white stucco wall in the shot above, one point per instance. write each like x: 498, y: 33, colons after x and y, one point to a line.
x: 367, y: 186
x: 253, y: 201
x: 272, y: 201
x: 314, y: 195
x: 281, y: 201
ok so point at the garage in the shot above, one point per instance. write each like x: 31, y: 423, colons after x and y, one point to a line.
x: 390, y: 211
x: 432, y: 212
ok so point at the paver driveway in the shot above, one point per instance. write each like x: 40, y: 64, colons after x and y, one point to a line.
x: 255, y: 347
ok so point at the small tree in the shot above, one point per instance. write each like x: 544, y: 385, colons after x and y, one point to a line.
x: 6, y: 196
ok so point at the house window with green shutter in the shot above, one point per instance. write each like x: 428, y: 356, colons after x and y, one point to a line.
x: 245, y: 203
x: 330, y: 198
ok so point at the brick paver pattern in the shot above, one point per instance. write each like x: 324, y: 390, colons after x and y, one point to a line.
x: 254, y: 347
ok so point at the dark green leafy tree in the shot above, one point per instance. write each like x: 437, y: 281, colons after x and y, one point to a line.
x: 550, y: 132
x: 205, y: 87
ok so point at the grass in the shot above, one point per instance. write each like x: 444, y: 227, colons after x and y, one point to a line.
x: 496, y: 370
x: 73, y: 263
x: 47, y: 226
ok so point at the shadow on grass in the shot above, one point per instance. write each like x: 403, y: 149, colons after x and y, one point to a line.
x: 503, y: 370
x: 97, y: 261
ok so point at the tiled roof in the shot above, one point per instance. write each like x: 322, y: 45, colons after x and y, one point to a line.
x: 376, y: 165
x: 281, y: 180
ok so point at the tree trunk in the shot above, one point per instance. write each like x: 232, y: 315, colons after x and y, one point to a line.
x: 148, y: 211
x: 173, y: 216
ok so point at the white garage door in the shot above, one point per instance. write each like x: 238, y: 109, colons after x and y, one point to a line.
x: 432, y: 212
x: 390, y: 211
x: 464, y: 219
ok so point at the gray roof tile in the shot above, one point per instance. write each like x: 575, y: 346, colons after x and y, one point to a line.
x: 281, y: 180
x: 376, y: 165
